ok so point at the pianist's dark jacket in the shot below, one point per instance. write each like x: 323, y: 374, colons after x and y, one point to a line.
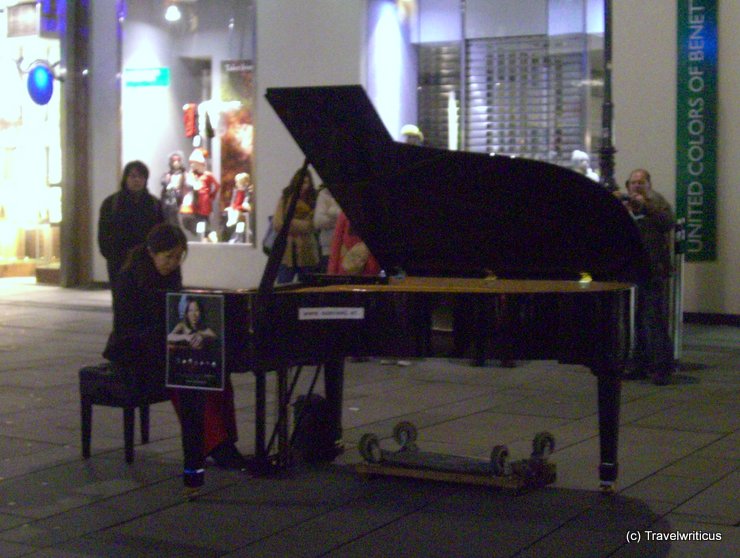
x: 140, y: 320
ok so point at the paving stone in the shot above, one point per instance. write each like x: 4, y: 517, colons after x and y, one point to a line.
x: 678, y: 458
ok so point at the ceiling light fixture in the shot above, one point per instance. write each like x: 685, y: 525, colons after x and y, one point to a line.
x: 172, y: 13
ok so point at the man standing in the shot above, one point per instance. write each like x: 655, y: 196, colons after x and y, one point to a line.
x: 654, y: 218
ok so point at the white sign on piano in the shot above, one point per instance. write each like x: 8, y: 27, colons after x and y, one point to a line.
x: 331, y: 313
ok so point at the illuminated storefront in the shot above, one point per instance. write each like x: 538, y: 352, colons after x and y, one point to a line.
x: 179, y: 76
x: 187, y: 87
x: 31, y: 138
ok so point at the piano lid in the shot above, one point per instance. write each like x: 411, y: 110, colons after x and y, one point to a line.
x: 431, y: 211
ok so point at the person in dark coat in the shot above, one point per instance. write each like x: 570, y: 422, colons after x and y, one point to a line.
x: 653, y: 216
x: 139, y: 339
x: 126, y: 217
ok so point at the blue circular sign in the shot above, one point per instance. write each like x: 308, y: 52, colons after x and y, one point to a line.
x: 40, y: 84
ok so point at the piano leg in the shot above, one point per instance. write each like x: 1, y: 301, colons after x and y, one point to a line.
x: 283, y: 404
x: 334, y: 390
x: 260, y: 429
x: 609, y: 389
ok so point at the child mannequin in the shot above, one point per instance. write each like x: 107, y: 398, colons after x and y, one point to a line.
x: 205, y: 187
x: 173, y: 188
x: 239, y: 208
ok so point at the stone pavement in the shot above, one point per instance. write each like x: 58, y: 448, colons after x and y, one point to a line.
x: 679, y: 459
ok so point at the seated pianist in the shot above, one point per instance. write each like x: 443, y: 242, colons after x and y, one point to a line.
x: 139, y: 317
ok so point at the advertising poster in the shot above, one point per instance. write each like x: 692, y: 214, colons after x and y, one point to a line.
x: 696, y: 127
x: 195, y: 341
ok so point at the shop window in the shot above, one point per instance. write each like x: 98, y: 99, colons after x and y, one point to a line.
x: 30, y: 139
x: 524, y: 96
x: 188, y: 88
x: 495, y: 76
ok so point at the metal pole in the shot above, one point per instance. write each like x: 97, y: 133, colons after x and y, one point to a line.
x: 607, y: 150
x: 679, y: 245
x: 462, y: 126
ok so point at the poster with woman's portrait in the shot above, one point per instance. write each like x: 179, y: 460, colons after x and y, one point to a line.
x: 195, y: 341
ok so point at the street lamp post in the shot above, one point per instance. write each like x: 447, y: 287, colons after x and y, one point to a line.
x: 607, y: 150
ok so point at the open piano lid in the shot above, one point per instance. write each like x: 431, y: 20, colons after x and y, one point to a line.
x: 431, y: 211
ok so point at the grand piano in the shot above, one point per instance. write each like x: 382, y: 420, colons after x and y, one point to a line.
x: 550, y: 256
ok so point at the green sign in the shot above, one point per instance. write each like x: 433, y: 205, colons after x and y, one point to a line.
x: 696, y: 127
x: 146, y: 77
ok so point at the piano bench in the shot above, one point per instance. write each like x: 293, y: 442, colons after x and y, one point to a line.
x: 106, y: 385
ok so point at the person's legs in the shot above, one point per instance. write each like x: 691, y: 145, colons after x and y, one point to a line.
x: 659, y: 349
x: 192, y: 434
x: 218, y: 427
x: 220, y: 418
x: 462, y: 325
x: 639, y: 364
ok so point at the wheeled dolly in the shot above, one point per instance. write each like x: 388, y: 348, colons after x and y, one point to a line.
x: 408, y: 461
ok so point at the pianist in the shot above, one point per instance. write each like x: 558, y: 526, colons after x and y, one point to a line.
x: 137, y: 343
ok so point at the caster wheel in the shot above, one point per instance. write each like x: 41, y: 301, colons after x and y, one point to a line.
x: 543, y: 445
x: 499, y: 457
x: 369, y: 447
x: 405, y: 434
x: 608, y: 488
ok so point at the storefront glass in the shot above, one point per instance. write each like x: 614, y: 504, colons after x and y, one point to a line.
x: 492, y: 76
x: 187, y: 89
x: 30, y: 136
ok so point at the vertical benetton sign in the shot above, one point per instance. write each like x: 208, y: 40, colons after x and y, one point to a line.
x: 696, y: 127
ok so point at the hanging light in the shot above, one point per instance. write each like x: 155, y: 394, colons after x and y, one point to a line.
x: 172, y: 13
x: 40, y: 83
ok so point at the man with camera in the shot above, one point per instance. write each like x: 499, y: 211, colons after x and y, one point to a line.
x: 654, y: 218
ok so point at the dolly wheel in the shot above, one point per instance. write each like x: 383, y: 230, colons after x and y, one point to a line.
x: 499, y: 456
x: 405, y: 434
x: 543, y: 445
x: 369, y: 447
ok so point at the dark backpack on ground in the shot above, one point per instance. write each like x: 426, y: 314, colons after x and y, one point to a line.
x: 313, y: 432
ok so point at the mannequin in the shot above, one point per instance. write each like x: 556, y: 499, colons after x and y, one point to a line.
x: 239, y: 208
x: 204, y: 189
x: 173, y: 188
x: 582, y: 164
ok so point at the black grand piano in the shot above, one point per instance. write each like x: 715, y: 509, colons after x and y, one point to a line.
x: 551, y: 256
